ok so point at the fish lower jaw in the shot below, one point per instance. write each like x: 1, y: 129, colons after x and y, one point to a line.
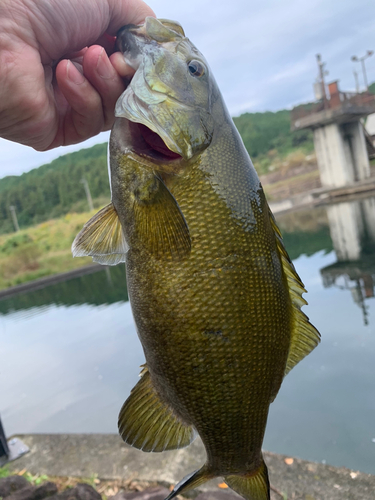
x: 145, y: 147
x: 134, y: 62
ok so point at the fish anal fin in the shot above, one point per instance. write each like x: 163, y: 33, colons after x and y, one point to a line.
x: 251, y: 486
x: 159, y: 222
x: 305, y: 337
x: 191, y: 481
x: 102, y: 238
x: 148, y: 424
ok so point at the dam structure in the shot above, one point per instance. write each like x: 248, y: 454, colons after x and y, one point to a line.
x: 342, y: 144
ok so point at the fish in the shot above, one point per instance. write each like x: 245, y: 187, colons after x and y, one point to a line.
x: 215, y: 297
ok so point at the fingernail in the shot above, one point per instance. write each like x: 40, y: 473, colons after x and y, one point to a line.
x: 104, y: 67
x: 73, y: 74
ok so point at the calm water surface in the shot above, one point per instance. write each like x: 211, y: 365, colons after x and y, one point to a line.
x: 70, y: 353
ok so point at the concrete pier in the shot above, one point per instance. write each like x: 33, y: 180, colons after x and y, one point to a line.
x: 341, y: 154
x: 339, y: 135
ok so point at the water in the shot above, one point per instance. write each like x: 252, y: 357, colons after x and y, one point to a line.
x: 70, y: 353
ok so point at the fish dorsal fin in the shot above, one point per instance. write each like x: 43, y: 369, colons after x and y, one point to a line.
x: 148, y: 424
x: 159, y: 222
x: 305, y: 337
x: 102, y: 238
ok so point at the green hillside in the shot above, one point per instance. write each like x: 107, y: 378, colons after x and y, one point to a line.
x: 264, y: 132
x: 55, y: 189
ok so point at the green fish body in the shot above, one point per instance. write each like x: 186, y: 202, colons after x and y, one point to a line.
x: 214, y: 295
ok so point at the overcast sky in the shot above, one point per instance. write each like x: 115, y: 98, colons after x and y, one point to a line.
x: 262, y: 54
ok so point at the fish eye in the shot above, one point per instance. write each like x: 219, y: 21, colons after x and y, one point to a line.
x: 196, y: 68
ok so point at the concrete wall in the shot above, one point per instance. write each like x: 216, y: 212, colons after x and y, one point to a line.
x: 341, y: 154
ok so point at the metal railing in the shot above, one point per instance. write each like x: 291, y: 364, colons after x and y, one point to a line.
x: 336, y: 101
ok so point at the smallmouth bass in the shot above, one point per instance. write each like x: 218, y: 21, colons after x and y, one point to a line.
x: 215, y: 297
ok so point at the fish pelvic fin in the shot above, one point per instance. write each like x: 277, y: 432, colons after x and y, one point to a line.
x: 251, y: 486
x: 102, y: 238
x: 191, y: 481
x: 149, y: 424
x: 305, y: 337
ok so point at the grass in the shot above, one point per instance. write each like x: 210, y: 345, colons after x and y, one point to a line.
x: 41, y: 250
x: 273, y: 160
x: 4, y: 472
x: 35, y: 480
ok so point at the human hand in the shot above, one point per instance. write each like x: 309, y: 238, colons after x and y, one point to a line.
x: 45, y: 101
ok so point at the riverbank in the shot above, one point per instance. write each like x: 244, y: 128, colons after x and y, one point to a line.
x: 53, y: 279
x: 106, y: 457
x: 41, y: 255
x: 41, y: 251
x: 84, y: 265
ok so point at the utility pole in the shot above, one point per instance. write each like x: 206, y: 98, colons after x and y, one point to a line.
x: 322, y: 74
x: 362, y: 61
x: 88, y: 194
x: 4, y: 448
x: 356, y: 81
x: 12, y: 209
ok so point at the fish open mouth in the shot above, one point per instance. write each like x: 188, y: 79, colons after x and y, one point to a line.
x: 147, y: 143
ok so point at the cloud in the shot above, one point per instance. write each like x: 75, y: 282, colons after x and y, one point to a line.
x: 16, y: 158
x: 263, y: 53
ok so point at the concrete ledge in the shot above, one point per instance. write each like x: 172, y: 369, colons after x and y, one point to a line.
x: 82, y: 455
x: 324, y: 196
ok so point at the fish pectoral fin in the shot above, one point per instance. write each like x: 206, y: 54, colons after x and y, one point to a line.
x: 102, y: 238
x: 148, y: 424
x: 305, y: 337
x: 159, y: 222
x: 252, y: 486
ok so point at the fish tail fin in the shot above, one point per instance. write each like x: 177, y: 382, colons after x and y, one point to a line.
x: 191, y: 481
x: 252, y: 486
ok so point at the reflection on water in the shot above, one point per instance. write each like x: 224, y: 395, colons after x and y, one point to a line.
x: 70, y: 353
x: 352, y: 228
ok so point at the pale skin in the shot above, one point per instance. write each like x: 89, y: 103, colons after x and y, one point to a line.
x: 59, y: 76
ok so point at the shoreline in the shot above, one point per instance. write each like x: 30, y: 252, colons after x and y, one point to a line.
x: 107, y: 457
x: 49, y: 280
x: 310, y: 199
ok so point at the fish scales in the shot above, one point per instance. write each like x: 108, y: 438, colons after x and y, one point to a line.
x: 214, y: 295
x: 185, y: 313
